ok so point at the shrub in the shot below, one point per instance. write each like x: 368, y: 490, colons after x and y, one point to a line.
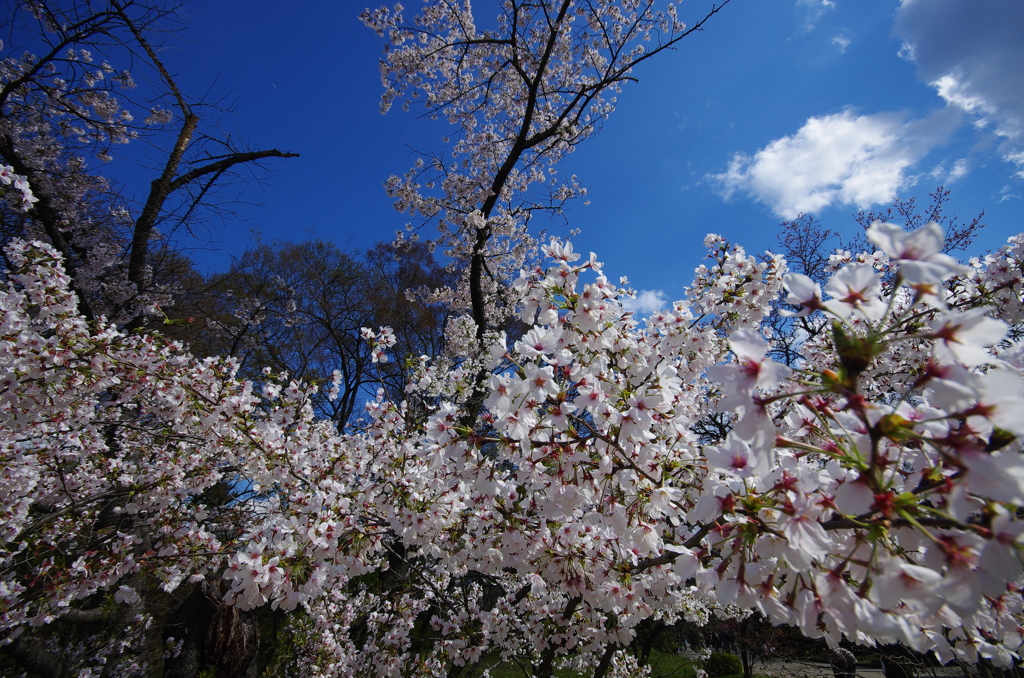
x: 721, y: 664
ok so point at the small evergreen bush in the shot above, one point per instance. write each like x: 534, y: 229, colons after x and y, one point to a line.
x: 721, y: 664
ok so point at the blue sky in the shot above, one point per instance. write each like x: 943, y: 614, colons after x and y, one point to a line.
x: 779, y: 107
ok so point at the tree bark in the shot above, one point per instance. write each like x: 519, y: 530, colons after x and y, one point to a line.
x: 34, y: 657
x: 214, y: 637
x: 844, y: 663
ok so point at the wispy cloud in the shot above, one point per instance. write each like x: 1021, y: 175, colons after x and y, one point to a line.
x: 1006, y: 193
x: 906, y: 52
x: 817, y: 7
x: 646, y: 302
x: 813, y: 10
x: 841, y: 42
x: 940, y: 174
x: 971, y: 53
x: 840, y: 159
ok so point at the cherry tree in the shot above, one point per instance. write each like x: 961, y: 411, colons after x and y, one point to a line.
x: 870, y: 492
x: 521, y: 93
x: 65, y: 105
x: 557, y: 493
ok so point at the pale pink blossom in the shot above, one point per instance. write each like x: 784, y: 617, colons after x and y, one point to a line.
x: 855, y: 288
x: 919, y: 252
x: 963, y: 336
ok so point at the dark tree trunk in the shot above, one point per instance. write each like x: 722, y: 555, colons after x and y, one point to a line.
x: 35, y: 658
x: 844, y: 663
x: 748, y: 663
x: 895, y: 669
x: 214, y: 635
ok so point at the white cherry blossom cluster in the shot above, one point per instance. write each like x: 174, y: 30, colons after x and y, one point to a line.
x: 107, y: 444
x: 869, y: 490
x: 586, y: 501
x: 20, y: 198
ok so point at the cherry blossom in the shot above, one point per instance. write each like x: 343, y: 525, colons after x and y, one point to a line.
x: 964, y: 337
x: 579, y: 503
x: 920, y: 255
x: 520, y: 94
x: 855, y: 288
x: 539, y: 497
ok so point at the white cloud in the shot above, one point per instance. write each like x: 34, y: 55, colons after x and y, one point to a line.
x: 646, y: 302
x: 841, y: 42
x: 957, y: 94
x: 906, y: 52
x: 1018, y: 159
x: 840, y: 159
x: 818, y: 6
x: 945, y: 177
x: 972, y: 53
x: 813, y: 10
x: 959, y: 171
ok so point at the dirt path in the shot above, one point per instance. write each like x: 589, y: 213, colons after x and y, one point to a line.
x: 799, y: 669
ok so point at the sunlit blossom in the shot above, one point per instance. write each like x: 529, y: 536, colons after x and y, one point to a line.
x: 919, y: 252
